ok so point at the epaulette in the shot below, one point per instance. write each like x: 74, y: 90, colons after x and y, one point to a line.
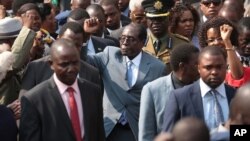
x: 181, y: 37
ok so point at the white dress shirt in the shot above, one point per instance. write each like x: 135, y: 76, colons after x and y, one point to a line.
x: 65, y: 97
x: 90, y: 47
x: 135, y: 67
x: 208, y: 100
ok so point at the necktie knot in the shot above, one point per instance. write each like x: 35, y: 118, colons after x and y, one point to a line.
x: 70, y: 90
x: 157, y: 45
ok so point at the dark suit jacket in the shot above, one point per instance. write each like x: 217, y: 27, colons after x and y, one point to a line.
x: 45, y: 118
x: 8, y: 127
x: 125, y: 20
x: 187, y: 101
x: 39, y: 71
x: 99, y: 45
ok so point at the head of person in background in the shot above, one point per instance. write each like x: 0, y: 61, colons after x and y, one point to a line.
x: 132, y: 40
x: 184, y: 61
x: 48, y: 19
x: 157, y: 13
x: 112, y: 14
x: 184, y: 20
x: 210, y: 8
x: 9, y: 30
x: 79, y: 16
x: 73, y: 31
x: 187, y: 129
x: 244, y: 40
x: 191, y: 129
x: 31, y: 8
x: 229, y: 9
x: 95, y: 10
x: 137, y: 13
x: 124, y: 6
x: 80, y: 4
x: 209, y: 33
x: 16, y: 5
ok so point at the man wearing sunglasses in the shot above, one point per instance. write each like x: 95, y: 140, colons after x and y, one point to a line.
x: 210, y: 8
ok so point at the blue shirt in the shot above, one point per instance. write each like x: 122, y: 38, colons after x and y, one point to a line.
x: 207, y: 101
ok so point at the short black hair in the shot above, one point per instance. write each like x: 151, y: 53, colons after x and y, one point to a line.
x: 78, y: 14
x: 16, y: 4
x: 216, y: 22
x: 45, y: 10
x: 213, y: 50
x: 181, y: 53
x: 73, y: 26
x: 28, y: 6
x: 109, y: 2
x: 97, y: 8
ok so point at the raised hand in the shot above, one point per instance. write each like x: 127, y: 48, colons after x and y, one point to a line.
x: 91, y: 25
x: 28, y: 19
x: 225, y: 31
x: 2, y: 12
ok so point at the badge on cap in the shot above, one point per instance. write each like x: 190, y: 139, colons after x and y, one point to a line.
x: 158, y: 5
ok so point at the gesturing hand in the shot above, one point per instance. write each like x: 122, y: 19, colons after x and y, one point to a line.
x: 91, y: 25
x: 225, y: 31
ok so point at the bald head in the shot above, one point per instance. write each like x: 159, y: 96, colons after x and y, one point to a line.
x: 65, y: 61
x: 80, y: 4
x: 239, y: 107
x: 191, y: 129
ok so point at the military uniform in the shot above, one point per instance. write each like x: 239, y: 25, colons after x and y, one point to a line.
x: 161, y: 47
x: 172, y: 40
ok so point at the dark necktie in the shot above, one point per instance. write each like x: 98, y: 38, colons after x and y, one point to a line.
x: 217, y: 109
x: 74, y: 114
x: 157, y: 45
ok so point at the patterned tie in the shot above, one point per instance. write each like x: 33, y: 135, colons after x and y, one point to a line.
x: 129, y: 73
x: 157, y: 45
x: 218, y: 114
x: 74, y: 114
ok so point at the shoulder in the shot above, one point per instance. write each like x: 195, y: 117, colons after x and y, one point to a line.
x: 154, y: 61
x: 180, y: 38
x: 102, y: 40
x: 89, y: 67
x: 89, y: 85
x: 186, y: 90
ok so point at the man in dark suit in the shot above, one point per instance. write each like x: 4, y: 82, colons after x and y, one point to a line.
x: 63, y: 108
x: 201, y: 98
x: 91, y: 44
x: 115, y: 19
x: 39, y: 70
x: 124, y: 72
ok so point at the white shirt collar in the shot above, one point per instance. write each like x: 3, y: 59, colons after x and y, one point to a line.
x: 204, y: 18
x: 109, y: 30
x: 63, y: 87
x: 136, y: 61
x: 205, y: 89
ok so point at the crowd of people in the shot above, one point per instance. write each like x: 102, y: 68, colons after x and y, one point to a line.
x: 123, y: 70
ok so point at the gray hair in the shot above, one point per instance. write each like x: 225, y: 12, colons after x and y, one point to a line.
x: 134, y: 4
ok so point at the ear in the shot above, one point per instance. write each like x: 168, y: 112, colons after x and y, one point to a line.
x: 198, y: 67
x: 51, y: 63
x: 181, y: 66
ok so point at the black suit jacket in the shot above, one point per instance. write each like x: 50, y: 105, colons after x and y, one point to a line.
x: 39, y: 70
x: 45, y: 118
x: 8, y: 127
x: 187, y: 101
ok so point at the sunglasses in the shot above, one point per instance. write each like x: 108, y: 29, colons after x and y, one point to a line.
x: 208, y: 3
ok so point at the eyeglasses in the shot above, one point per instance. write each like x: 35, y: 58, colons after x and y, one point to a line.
x: 127, y: 38
x: 215, y: 39
x: 208, y: 3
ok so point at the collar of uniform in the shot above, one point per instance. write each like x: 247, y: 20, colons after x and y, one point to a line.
x: 163, y: 39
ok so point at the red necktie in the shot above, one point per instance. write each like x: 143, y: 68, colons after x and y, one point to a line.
x: 74, y: 114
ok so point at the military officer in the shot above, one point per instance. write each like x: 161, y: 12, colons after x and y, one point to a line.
x: 160, y: 42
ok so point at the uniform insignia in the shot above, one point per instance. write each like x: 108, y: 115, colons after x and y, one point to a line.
x: 158, y: 5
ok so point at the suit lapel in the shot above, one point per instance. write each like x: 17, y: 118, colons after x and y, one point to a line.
x: 143, y: 69
x: 229, y: 93
x: 123, y: 69
x: 85, y: 112
x: 97, y: 45
x: 196, y: 100
x: 61, y: 107
x: 149, y: 47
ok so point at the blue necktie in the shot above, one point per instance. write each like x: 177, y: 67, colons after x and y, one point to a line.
x: 129, y: 73
x: 218, y: 113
